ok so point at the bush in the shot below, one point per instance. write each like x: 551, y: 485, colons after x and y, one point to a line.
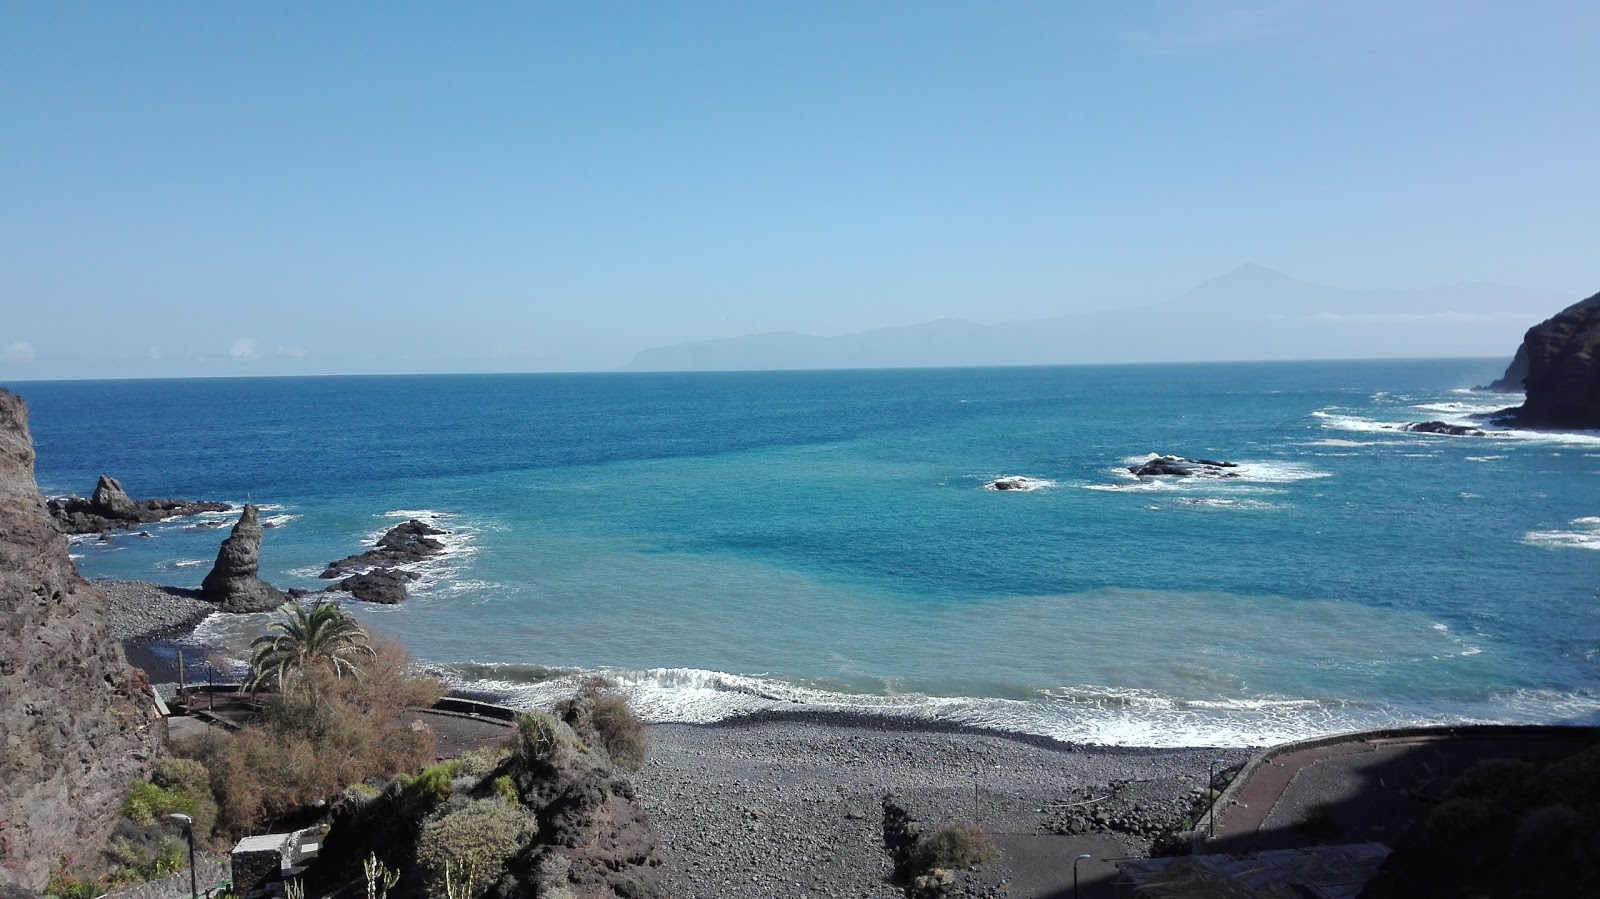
x: 621, y: 732
x: 333, y: 732
x: 480, y: 763
x: 953, y: 847
x: 540, y: 734
x: 147, y: 802
x: 479, y: 838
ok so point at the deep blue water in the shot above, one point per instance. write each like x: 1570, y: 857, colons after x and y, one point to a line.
x: 723, y: 542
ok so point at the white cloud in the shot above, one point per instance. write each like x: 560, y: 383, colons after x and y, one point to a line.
x: 243, y: 348
x: 19, y: 352
x: 293, y: 352
x: 153, y: 353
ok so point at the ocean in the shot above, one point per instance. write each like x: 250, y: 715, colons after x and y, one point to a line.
x: 722, y: 543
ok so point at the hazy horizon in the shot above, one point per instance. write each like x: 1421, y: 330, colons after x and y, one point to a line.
x: 221, y: 191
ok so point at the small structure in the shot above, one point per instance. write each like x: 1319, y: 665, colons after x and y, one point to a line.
x: 1323, y: 872
x: 261, y: 864
x: 257, y: 864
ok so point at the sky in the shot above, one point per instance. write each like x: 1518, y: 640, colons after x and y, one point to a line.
x: 201, y: 189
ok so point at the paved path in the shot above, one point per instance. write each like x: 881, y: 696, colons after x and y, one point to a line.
x: 1365, y: 789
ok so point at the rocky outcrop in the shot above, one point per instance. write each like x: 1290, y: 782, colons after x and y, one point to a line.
x: 595, y: 839
x: 74, y: 724
x: 1563, y: 371
x: 383, y: 585
x: 375, y: 575
x: 1443, y: 427
x: 233, y: 584
x: 1017, y: 482
x: 1177, y: 466
x: 110, y: 508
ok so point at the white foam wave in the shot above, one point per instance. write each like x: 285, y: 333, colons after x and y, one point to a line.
x: 1226, y: 502
x: 1337, y: 420
x: 1484, y: 458
x: 277, y: 521
x: 1584, y: 534
x: 1460, y: 408
x: 188, y: 563
x: 440, y: 573
x: 1093, y: 714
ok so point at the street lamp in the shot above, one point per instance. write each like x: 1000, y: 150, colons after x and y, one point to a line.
x: 1075, y: 873
x: 187, y: 823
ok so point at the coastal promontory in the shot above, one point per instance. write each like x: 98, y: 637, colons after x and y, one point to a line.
x: 1561, y: 360
x: 73, y: 719
x: 111, y: 508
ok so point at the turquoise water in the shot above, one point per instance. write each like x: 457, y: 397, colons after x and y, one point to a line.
x: 728, y: 542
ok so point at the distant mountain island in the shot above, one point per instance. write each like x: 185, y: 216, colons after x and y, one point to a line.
x: 1250, y: 313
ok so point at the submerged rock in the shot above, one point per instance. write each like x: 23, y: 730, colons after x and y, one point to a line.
x: 1177, y: 466
x: 233, y: 583
x: 1440, y: 427
x: 1016, y: 482
x: 110, y: 508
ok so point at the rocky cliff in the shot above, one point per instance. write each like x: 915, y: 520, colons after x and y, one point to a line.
x: 1562, y: 379
x: 73, y: 715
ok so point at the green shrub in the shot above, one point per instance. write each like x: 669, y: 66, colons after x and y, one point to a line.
x: 953, y: 847
x: 432, y: 785
x: 506, y: 789
x: 147, y: 802
x: 479, y: 837
x: 190, y: 778
x: 480, y: 763
x: 621, y: 732
x: 541, y: 733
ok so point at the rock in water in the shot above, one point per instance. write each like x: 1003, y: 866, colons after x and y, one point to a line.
x: 75, y: 727
x: 385, y: 585
x: 1563, y: 371
x: 1440, y: 427
x: 111, y: 501
x: 112, y: 509
x: 1177, y: 466
x: 409, y: 541
x: 232, y: 583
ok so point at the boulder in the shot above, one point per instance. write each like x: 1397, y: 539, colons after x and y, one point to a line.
x: 382, y: 585
x: 76, y: 726
x: 1563, y: 370
x: 233, y: 584
x: 1177, y: 466
x: 1440, y: 427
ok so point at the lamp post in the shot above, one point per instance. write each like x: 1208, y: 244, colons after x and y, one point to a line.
x: 1075, y: 873
x: 187, y: 823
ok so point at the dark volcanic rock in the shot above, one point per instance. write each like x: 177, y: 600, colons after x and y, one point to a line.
x: 1440, y: 427
x: 111, y: 509
x: 385, y: 585
x: 233, y: 584
x: 410, y: 541
x: 1563, y: 371
x: 1177, y: 466
x: 595, y: 840
x: 75, y: 728
x: 1511, y: 381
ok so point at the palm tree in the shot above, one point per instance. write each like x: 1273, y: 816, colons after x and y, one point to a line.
x: 324, y: 635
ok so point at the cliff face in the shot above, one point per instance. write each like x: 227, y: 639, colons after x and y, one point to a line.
x: 1563, y: 369
x: 74, y: 722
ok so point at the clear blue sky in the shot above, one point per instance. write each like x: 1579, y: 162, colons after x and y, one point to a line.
x: 204, y: 188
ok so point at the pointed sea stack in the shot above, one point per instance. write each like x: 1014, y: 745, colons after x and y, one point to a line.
x: 1562, y: 359
x: 75, y: 720
x: 232, y: 583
